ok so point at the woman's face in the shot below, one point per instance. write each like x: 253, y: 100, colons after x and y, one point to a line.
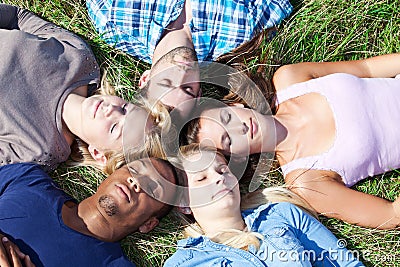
x: 233, y: 130
x: 213, y: 189
x: 104, y: 118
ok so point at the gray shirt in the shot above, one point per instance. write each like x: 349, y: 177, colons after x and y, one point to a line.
x: 40, y: 64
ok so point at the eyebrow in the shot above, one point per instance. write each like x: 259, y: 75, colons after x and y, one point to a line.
x: 141, y: 162
x: 220, y: 116
x: 223, y: 137
x: 129, y: 108
x: 186, y: 92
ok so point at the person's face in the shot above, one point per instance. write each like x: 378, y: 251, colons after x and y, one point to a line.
x: 213, y: 189
x: 104, y: 118
x: 123, y: 198
x: 232, y: 130
x: 173, y: 80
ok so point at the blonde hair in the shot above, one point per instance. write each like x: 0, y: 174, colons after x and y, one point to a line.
x: 242, y: 239
x: 117, y: 158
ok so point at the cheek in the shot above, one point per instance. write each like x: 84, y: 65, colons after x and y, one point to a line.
x: 95, y: 130
x: 199, y: 196
x: 240, y: 145
x: 210, y: 133
x: 174, y: 97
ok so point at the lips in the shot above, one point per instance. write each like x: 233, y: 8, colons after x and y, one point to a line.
x: 253, y: 128
x: 96, y: 107
x: 221, y: 192
x: 124, y: 192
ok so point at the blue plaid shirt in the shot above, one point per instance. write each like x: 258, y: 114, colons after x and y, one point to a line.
x: 136, y: 26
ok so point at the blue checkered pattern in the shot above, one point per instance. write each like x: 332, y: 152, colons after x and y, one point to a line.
x: 218, y: 26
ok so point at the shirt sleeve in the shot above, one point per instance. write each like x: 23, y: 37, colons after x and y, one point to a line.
x: 15, y: 18
x: 320, y: 245
x: 8, y: 17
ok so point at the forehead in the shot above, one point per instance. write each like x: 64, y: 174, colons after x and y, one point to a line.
x: 112, y: 98
x: 202, y: 161
x: 165, y: 68
x: 152, y: 169
x: 137, y: 123
x: 210, y: 130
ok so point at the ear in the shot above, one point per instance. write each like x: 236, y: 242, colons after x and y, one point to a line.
x: 238, y: 105
x: 184, y: 210
x: 149, y: 225
x: 97, y: 155
x: 144, y: 78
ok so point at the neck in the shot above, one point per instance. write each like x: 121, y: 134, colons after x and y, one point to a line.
x: 71, y: 114
x: 287, y: 128
x: 271, y: 134
x: 212, y: 227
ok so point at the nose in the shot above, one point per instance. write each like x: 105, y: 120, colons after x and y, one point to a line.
x: 241, y: 128
x: 245, y: 128
x: 109, y: 109
x: 220, y: 179
x: 133, y: 184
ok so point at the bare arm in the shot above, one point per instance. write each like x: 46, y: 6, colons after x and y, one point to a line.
x: 330, y: 197
x: 385, y: 66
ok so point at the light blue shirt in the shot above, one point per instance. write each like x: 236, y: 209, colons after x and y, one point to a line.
x: 217, y: 27
x: 291, y: 238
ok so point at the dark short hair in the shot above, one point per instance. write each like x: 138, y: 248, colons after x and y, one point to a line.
x: 166, y: 208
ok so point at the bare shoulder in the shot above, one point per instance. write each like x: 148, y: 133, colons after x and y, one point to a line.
x: 281, y: 76
x: 288, y: 75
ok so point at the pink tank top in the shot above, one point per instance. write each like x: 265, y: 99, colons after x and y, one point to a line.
x: 366, y: 113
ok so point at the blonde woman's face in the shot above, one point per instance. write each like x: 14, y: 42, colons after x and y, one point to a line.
x: 104, y: 119
x: 213, y: 189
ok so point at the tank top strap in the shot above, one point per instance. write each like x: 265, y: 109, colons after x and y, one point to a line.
x: 293, y: 91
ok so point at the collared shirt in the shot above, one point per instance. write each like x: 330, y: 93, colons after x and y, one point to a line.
x: 291, y: 238
x: 136, y: 26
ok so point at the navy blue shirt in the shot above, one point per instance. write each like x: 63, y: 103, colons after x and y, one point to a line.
x: 30, y: 215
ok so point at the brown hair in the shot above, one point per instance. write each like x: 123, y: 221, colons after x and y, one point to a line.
x: 239, y: 59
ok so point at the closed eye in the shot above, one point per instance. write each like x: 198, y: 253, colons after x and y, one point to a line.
x: 166, y: 83
x: 226, y: 142
x: 113, y: 128
x: 201, y: 179
x: 225, y: 116
x: 124, y: 106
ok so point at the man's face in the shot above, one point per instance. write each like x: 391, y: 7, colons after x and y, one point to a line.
x: 134, y: 193
x: 174, y: 80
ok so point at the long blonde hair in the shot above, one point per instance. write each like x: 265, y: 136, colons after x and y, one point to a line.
x: 242, y: 239
x: 116, y: 158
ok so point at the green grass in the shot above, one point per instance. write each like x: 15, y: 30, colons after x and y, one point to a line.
x: 320, y: 30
